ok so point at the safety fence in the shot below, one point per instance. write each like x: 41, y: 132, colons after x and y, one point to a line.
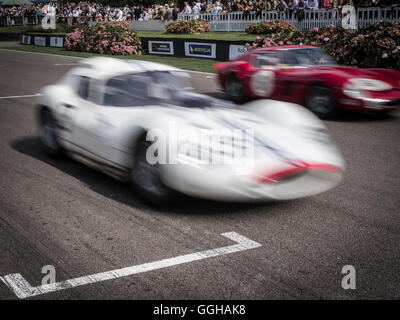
x: 238, y: 21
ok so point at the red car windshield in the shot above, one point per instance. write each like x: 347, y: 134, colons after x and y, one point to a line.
x: 307, y: 57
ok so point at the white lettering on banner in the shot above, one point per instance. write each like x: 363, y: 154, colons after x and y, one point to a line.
x: 236, y: 51
x: 40, y: 41
x: 56, y: 42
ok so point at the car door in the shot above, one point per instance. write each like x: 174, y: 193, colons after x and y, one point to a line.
x: 122, y: 97
x: 294, y: 77
x: 265, y: 81
x: 84, y: 117
x: 75, y: 113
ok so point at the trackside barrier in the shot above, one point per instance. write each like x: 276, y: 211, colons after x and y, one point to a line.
x: 208, y: 49
x: 235, y: 21
x: 238, y: 21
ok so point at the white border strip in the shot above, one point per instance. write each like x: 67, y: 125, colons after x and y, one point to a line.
x: 22, y: 289
x: 23, y: 96
x: 66, y: 56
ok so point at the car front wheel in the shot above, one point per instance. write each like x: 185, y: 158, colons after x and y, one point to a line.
x: 146, y: 178
x: 320, y: 100
x: 234, y: 89
x: 48, y: 135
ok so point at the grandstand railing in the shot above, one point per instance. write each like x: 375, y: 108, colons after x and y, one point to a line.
x: 238, y: 21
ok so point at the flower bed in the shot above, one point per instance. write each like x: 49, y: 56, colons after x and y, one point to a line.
x: 106, y: 38
x: 189, y: 27
x: 377, y: 45
x: 278, y: 26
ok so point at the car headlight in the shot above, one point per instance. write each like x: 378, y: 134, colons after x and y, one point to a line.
x: 356, y: 88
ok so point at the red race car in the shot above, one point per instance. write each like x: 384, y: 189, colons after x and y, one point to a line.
x: 307, y: 76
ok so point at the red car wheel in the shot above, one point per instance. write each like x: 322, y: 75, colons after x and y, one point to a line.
x: 234, y: 89
x: 320, y: 100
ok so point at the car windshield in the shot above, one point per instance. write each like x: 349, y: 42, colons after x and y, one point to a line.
x: 145, y: 88
x: 307, y: 57
x: 177, y: 80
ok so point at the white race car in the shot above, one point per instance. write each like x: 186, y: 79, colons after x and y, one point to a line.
x: 118, y: 115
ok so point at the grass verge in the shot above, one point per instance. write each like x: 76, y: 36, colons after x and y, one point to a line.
x: 229, y: 36
x: 194, y: 64
x: 14, y: 29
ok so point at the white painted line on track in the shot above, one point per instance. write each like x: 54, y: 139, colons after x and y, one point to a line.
x: 22, y: 96
x: 22, y: 289
x: 42, y: 53
x: 74, y: 57
x: 64, y: 64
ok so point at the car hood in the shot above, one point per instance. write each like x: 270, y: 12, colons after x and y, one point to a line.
x: 280, y: 141
x: 342, y: 74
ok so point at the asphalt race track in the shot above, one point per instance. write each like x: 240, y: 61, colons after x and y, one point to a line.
x: 82, y: 222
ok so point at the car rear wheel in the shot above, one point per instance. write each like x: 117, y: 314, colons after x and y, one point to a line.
x: 48, y: 135
x: 320, y: 101
x: 146, y: 178
x: 234, y: 89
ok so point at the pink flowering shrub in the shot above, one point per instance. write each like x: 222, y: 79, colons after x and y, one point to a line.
x: 273, y: 27
x: 106, y: 38
x: 191, y: 26
x: 377, y: 45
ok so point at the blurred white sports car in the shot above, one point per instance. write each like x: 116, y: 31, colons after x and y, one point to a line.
x: 126, y: 118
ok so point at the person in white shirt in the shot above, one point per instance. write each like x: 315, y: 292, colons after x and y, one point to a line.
x: 196, y: 8
x: 187, y: 9
x: 217, y: 8
x: 118, y: 15
x: 312, y: 4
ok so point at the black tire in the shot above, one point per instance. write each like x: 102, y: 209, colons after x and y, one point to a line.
x: 234, y: 89
x: 146, y: 178
x: 48, y: 134
x: 320, y: 100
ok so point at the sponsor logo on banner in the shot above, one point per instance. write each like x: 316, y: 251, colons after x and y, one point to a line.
x: 197, y: 49
x: 161, y: 47
x: 236, y: 51
x: 40, y: 41
x: 26, y: 39
x: 56, y: 42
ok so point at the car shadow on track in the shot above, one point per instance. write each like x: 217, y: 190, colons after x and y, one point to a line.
x: 122, y: 191
x: 355, y: 117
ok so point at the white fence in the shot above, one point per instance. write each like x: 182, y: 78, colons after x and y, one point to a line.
x: 237, y: 21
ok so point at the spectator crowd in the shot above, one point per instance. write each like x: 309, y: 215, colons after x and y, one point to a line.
x: 278, y: 5
x: 98, y: 12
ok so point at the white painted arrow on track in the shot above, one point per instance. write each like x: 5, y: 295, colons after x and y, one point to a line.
x: 22, y: 289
